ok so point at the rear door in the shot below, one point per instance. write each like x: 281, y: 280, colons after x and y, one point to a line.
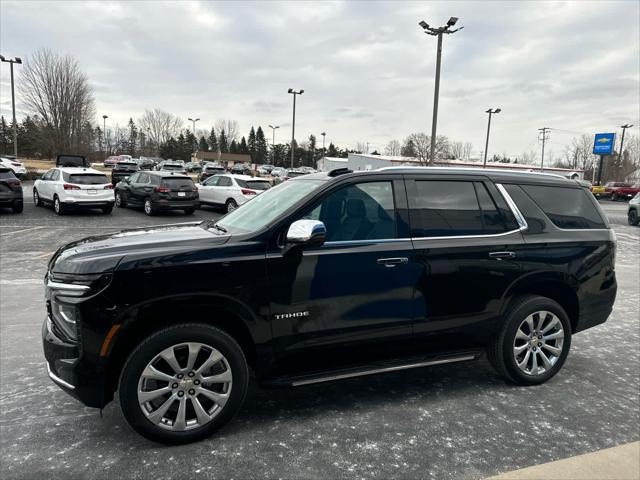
x: 224, y: 189
x: 133, y: 189
x: 207, y: 190
x: 466, y: 242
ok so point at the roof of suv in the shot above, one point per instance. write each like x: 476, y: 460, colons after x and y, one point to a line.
x: 77, y: 170
x: 492, y: 173
x: 167, y: 174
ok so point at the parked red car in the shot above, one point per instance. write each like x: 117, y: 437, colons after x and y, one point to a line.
x: 620, y: 190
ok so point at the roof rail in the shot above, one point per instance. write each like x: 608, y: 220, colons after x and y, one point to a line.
x: 338, y: 171
x: 472, y: 170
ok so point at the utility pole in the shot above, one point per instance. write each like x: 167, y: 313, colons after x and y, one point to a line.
x: 545, y: 132
x: 486, y: 146
x: 17, y: 60
x: 623, y: 127
x: 293, y: 126
x: 437, y: 32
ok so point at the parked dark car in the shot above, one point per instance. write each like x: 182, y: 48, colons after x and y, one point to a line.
x: 241, y: 169
x: 193, y: 167
x: 209, y: 170
x: 123, y: 170
x: 10, y: 190
x: 326, y: 277
x: 68, y: 160
x: 146, y: 163
x: 633, y: 212
x: 158, y: 191
x: 171, y: 166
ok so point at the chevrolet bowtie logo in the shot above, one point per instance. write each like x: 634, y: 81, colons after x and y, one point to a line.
x: 603, y: 140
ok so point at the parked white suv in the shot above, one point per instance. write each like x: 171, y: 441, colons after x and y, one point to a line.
x: 17, y: 166
x: 74, y: 187
x: 230, y: 191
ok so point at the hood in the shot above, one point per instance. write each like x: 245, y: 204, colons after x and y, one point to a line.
x: 102, y: 253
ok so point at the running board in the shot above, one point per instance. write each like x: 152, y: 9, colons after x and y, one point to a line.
x: 328, y: 377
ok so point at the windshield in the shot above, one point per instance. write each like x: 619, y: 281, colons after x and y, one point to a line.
x: 262, y: 210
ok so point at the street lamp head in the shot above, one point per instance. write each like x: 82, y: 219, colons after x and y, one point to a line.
x: 2, y: 58
x: 190, y: 119
x: 498, y: 110
x: 301, y: 92
x: 197, y: 119
x: 290, y: 90
x: 18, y: 60
x: 423, y: 24
x: 626, y: 126
x: 452, y: 21
x: 105, y: 116
x: 323, y: 133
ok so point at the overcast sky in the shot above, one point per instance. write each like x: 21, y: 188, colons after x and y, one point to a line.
x: 366, y: 67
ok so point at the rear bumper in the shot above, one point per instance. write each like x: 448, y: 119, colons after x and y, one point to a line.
x: 11, y: 199
x: 88, y: 204
x: 595, y: 309
x: 176, y: 204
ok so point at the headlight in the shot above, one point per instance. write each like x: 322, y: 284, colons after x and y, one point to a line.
x: 65, y: 316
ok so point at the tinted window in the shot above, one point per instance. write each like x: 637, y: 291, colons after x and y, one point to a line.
x: 492, y: 220
x: 566, y: 207
x: 224, y: 182
x: 254, y: 184
x: 143, y: 178
x: 364, y: 211
x: 71, y: 161
x: 134, y: 178
x: 445, y: 208
x: 4, y: 174
x: 85, y: 178
x: 178, y: 183
x: 126, y: 166
x: 292, y: 174
x: 211, y: 181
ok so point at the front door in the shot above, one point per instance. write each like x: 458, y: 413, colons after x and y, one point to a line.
x: 350, y: 300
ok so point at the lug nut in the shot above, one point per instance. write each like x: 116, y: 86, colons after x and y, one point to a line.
x: 181, y: 393
x: 196, y: 382
x: 191, y: 391
x: 534, y: 349
x: 191, y: 374
x: 175, y: 385
x: 180, y: 375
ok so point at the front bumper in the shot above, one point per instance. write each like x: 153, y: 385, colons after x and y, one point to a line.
x: 67, y: 369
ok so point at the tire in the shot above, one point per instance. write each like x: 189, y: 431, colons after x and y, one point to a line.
x: 107, y: 210
x: 231, y: 205
x: 502, y: 351
x: 148, y: 207
x: 58, y: 206
x: 17, y: 207
x: 36, y: 198
x: 181, y: 339
x: 614, y: 197
x: 189, y: 211
x: 632, y: 217
x: 120, y: 201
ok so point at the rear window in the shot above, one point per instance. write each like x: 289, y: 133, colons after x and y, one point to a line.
x: 254, y: 184
x: 570, y: 208
x: 172, y: 166
x: 177, y: 183
x: 85, y: 178
x: 4, y: 174
x: 126, y: 166
x: 71, y: 161
x: 295, y: 174
x: 215, y: 169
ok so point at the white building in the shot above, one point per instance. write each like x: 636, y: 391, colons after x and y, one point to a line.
x: 326, y: 164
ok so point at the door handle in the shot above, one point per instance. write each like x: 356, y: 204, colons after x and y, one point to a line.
x: 502, y: 255
x: 392, y: 262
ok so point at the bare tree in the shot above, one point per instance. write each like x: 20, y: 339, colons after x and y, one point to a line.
x: 457, y: 150
x: 230, y: 127
x: 362, y: 147
x: 53, y: 87
x: 422, y: 144
x: 159, y: 126
x: 393, y: 148
x: 466, y: 151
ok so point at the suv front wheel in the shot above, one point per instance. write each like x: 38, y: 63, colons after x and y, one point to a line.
x: 534, y: 341
x: 183, y: 383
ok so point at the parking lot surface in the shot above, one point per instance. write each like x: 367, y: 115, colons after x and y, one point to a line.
x: 457, y: 421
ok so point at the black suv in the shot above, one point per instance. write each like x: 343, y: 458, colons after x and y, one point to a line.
x: 123, y: 170
x: 158, y: 191
x: 10, y: 190
x: 325, y: 277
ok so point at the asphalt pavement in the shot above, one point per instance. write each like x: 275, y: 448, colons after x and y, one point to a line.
x: 457, y: 421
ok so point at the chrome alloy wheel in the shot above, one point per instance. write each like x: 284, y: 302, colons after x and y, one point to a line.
x: 538, y: 343
x: 185, y: 386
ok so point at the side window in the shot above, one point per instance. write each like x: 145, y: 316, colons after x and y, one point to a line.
x: 134, y: 178
x: 47, y: 176
x: 143, y: 178
x: 443, y: 208
x: 364, y: 211
x: 224, y: 182
x: 492, y: 221
x: 55, y: 176
x: 211, y: 181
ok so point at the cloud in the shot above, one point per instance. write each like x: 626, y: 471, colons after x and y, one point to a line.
x: 366, y: 67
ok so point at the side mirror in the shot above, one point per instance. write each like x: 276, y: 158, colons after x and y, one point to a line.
x: 307, y: 233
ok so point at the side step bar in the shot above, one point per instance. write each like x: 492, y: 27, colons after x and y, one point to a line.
x: 373, y: 371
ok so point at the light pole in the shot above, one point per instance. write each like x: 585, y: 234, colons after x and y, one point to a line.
x: 194, y: 124
x: 437, y: 32
x: 623, y: 127
x: 293, y: 126
x: 195, y: 139
x: 324, y: 134
x: 11, y: 61
x: 273, y: 141
x: 486, y: 146
x: 104, y: 132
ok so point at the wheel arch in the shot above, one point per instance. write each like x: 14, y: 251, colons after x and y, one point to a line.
x: 554, y: 285
x: 143, y: 320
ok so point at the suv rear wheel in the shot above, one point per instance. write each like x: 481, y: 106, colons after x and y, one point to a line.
x: 120, y: 201
x: 632, y: 217
x: 58, y: 207
x: 534, y: 341
x: 183, y: 383
x: 36, y: 198
x: 231, y: 205
x: 148, y: 207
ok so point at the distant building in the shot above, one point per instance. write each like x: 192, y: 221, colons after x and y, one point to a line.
x: 326, y: 164
x: 225, y: 158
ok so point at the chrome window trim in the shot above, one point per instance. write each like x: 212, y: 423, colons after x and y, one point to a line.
x: 67, y: 286
x: 58, y: 380
x: 455, y: 237
x: 512, y: 205
x: 367, y: 242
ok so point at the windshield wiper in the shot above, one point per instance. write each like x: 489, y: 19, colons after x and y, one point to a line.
x: 211, y: 223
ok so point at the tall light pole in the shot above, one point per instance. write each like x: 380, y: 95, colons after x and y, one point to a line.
x: 273, y: 142
x: 324, y: 134
x: 11, y: 61
x: 192, y: 120
x: 293, y: 126
x: 486, y: 146
x: 104, y: 132
x: 623, y: 127
x: 195, y: 139
x: 437, y: 32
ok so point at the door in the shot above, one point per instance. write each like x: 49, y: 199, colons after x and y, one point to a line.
x: 128, y: 190
x: 44, y: 186
x: 223, y: 189
x: 350, y: 300
x: 207, y: 190
x: 467, y: 243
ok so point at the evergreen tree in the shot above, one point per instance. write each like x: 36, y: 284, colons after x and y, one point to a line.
x: 222, y: 142
x: 233, y: 148
x: 332, y: 151
x: 213, y: 141
x: 409, y: 149
x: 243, y: 146
x: 133, y: 138
x: 203, y: 146
x: 251, y: 143
x: 191, y: 144
x: 261, y: 149
x: 311, y: 152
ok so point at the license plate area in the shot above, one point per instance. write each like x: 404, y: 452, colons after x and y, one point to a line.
x: 182, y: 194
x: 92, y: 191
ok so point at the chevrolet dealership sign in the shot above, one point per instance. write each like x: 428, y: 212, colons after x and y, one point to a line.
x: 603, y: 143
